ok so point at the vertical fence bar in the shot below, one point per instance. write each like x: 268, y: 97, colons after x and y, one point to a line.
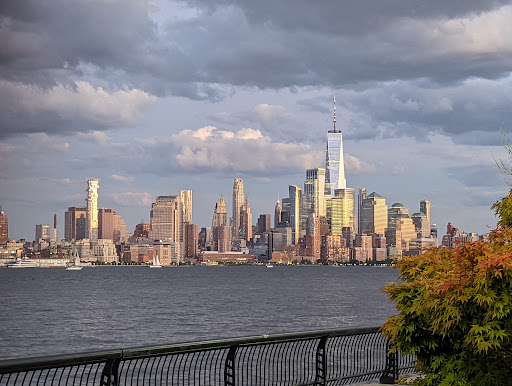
x: 321, y: 370
x: 110, y: 373
x: 229, y: 367
x: 390, y: 373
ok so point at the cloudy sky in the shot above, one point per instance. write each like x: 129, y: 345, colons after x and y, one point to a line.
x: 156, y: 96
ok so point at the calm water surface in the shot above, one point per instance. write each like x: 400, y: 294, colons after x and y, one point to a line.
x: 54, y: 311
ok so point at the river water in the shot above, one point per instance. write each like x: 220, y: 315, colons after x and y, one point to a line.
x: 54, y: 311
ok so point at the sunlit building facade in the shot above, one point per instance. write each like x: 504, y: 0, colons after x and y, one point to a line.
x: 342, y: 211
x: 106, y: 223
x: 219, y: 226
x: 238, y: 202
x: 373, y: 214
x: 335, y: 166
x: 246, y: 221
x: 425, y: 209
x: 92, y: 209
x: 295, y: 196
x: 185, y: 211
x: 313, y: 197
x: 75, y: 223
x: 4, y: 227
x: 165, y: 219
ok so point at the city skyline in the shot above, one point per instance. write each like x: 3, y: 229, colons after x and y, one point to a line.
x: 148, y: 110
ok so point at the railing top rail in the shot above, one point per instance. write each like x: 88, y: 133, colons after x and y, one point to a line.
x: 37, y: 363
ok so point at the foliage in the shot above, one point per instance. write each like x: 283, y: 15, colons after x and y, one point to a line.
x: 455, y: 309
x: 503, y: 209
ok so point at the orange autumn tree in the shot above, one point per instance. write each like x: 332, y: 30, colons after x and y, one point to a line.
x: 455, y: 309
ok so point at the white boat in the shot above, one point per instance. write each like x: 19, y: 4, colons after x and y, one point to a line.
x: 76, y: 266
x: 22, y: 262
x: 156, y: 262
x: 270, y: 265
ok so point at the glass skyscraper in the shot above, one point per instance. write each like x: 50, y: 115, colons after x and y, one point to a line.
x: 335, y: 164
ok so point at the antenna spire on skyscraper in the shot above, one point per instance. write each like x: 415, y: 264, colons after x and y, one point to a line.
x: 334, y: 121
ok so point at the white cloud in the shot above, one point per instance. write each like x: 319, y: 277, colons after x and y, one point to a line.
x: 44, y: 141
x: 133, y: 199
x: 354, y: 165
x: 96, y: 136
x: 7, y: 148
x: 247, y: 150
x: 124, y: 179
x: 63, y: 181
x: 486, y: 33
x: 62, y: 108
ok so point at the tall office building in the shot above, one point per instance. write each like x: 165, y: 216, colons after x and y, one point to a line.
x: 75, y: 223
x: 219, y: 225
x: 313, y: 198
x: 399, y: 219
x: 120, y: 230
x: 277, y: 213
x: 220, y: 214
x: 314, y: 189
x: 246, y: 221
x: 421, y: 224
x: 295, y: 196
x: 165, y: 219
x: 4, y: 227
x: 42, y: 232
x: 360, y: 197
x: 223, y: 238
x: 263, y: 223
x: 191, y: 243
x: 92, y: 209
x: 185, y: 212
x: 342, y: 211
x: 285, y: 210
x: 106, y: 223
x: 425, y: 208
x: 186, y: 202
x: 56, y: 226
x: 238, y: 202
x: 374, y: 215
x: 335, y: 165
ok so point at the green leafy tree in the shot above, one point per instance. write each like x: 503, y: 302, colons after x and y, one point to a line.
x: 455, y: 309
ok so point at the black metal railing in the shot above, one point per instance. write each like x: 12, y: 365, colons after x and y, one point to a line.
x: 330, y: 357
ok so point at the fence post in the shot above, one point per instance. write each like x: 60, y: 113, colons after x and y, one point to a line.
x: 229, y: 367
x: 110, y: 373
x: 390, y: 373
x: 321, y: 363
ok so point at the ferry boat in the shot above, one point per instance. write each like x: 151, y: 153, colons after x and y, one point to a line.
x: 22, y: 262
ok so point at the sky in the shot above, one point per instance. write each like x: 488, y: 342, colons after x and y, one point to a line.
x: 154, y: 97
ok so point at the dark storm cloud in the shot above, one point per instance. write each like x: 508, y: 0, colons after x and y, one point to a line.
x: 333, y: 43
x: 129, y: 45
x: 265, y: 43
x: 348, y: 17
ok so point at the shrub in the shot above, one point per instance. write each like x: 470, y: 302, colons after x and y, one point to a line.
x: 455, y: 309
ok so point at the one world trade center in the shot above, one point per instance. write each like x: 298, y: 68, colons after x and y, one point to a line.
x: 335, y: 165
